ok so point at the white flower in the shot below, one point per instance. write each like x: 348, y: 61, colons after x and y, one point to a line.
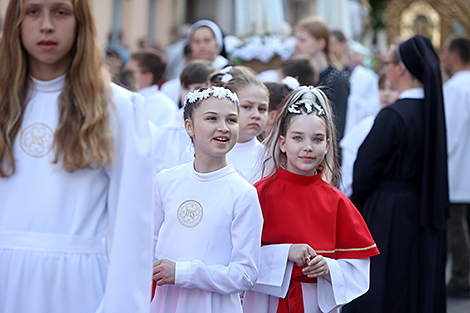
x: 225, y: 70
x: 291, y: 82
x: 226, y: 78
x: 293, y: 108
x: 308, y: 107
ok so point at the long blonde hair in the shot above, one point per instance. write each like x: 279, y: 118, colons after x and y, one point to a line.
x: 318, y: 29
x: 83, y: 137
x: 302, y: 97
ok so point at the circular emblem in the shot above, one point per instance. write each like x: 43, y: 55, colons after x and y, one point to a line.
x: 36, y: 140
x: 190, y: 213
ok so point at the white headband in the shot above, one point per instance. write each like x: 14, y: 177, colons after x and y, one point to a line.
x: 213, y: 26
x: 309, y: 101
x: 217, y: 92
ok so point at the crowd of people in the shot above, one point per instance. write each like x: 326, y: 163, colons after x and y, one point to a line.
x: 319, y: 186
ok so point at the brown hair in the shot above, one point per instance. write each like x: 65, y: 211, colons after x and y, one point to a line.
x: 83, y: 138
x: 301, y: 68
x: 196, y: 72
x: 151, y: 61
x: 317, y: 28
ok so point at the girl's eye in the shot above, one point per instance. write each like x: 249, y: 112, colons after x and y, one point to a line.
x: 318, y: 139
x: 211, y: 118
x: 232, y: 120
x: 297, y: 138
x: 31, y: 12
x: 61, y: 12
x: 246, y: 107
x: 263, y: 109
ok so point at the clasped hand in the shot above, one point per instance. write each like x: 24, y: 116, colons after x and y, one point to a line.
x: 304, y: 255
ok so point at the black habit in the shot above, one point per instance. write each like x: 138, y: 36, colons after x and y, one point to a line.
x: 400, y: 187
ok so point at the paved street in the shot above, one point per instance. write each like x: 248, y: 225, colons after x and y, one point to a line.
x: 457, y: 305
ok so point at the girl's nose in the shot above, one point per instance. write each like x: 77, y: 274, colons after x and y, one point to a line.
x: 46, y: 25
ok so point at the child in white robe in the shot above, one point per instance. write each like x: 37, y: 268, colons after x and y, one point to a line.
x: 74, y: 226
x: 254, y: 104
x: 207, y: 217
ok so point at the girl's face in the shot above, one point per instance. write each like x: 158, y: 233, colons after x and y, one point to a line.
x: 203, y: 44
x: 213, y: 128
x: 254, y: 104
x: 307, y: 44
x: 387, y: 94
x: 48, y: 33
x: 305, y: 144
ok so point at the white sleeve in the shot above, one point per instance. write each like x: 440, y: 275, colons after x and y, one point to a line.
x: 457, y: 114
x: 275, y: 270
x: 349, y: 280
x: 242, y: 271
x: 129, y: 207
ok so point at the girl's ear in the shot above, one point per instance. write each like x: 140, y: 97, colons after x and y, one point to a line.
x: 188, y: 125
x: 282, y: 143
x: 327, y: 145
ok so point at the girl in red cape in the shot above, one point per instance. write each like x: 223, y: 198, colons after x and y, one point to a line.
x: 316, y: 246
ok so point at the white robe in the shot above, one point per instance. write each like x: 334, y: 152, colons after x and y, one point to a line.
x: 210, y: 225
x: 349, y: 280
x: 161, y: 109
x: 363, y: 101
x: 77, y: 242
x: 246, y: 158
x: 457, y: 111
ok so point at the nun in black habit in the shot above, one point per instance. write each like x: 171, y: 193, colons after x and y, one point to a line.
x: 400, y: 187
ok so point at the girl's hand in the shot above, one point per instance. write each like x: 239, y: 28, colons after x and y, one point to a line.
x: 317, y: 267
x: 164, y: 272
x: 298, y: 253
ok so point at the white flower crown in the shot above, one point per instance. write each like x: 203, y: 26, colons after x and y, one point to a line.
x: 291, y: 82
x: 309, y: 102
x: 217, y: 92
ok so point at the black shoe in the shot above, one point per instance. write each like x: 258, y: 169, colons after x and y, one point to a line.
x: 454, y: 292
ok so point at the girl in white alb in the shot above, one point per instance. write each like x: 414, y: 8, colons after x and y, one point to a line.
x: 207, y: 217
x: 74, y: 225
x: 254, y: 102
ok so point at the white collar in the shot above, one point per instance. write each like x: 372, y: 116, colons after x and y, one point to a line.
x: 413, y: 93
x: 147, y: 90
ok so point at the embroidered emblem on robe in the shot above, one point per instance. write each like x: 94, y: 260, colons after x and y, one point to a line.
x: 36, y: 140
x: 190, y: 213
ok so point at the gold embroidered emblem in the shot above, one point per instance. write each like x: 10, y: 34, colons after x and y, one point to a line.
x: 36, y: 140
x: 190, y: 213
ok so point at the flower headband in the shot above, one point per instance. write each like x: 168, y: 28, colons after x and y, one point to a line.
x: 309, y: 102
x: 217, y: 92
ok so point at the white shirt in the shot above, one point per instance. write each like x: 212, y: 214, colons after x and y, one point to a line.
x: 363, y: 101
x: 77, y: 242
x: 246, y: 158
x: 457, y: 112
x: 349, y: 146
x: 172, y: 89
x: 349, y: 280
x: 210, y: 225
x: 160, y: 107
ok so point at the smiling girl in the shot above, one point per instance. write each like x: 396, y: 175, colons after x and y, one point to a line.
x: 316, y: 246
x: 207, y: 217
x: 74, y: 227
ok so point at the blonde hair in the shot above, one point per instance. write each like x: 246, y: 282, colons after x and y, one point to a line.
x: 273, y: 157
x: 83, y: 138
x: 318, y: 29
